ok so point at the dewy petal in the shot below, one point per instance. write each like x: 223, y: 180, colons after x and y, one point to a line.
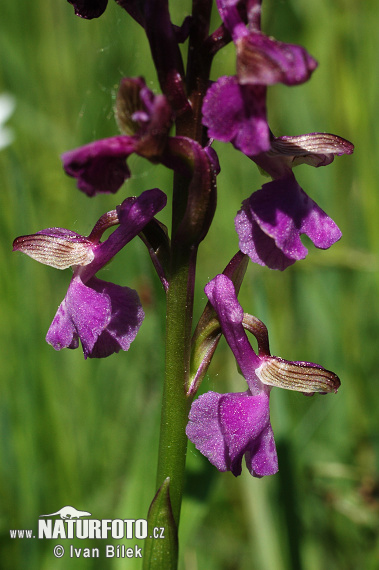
x: 271, y: 221
x: 237, y: 113
x: 221, y: 293
x: 264, y: 61
x: 89, y: 8
x: 231, y: 16
x: 83, y: 313
x: 100, y: 166
x: 56, y: 247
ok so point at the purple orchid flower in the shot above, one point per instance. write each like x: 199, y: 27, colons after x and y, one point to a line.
x: 272, y: 219
x: 145, y: 118
x: 226, y: 427
x: 104, y: 316
x: 234, y: 109
x: 262, y: 60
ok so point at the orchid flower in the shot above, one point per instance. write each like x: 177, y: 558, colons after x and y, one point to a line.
x: 105, y: 317
x: 226, y: 427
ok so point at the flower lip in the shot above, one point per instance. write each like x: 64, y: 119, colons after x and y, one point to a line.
x: 272, y: 220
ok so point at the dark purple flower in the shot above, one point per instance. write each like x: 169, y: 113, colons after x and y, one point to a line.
x: 104, y: 316
x: 271, y: 221
x: 234, y: 108
x: 226, y: 427
x: 262, y: 60
x: 145, y: 119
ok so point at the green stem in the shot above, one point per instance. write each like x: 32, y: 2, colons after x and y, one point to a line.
x: 175, y: 405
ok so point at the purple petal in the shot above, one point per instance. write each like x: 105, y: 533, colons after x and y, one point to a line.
x: 264, y: 61
x: 221, y: 293
x: 231, y: 16
x: 105, y: 317
x: 305, y: 377
x: 243, y: 418
x: 94, y: 8
x: 315, y: 149
x: 126, y: 318
x: 261, y: 458
x: 237, y: 113
x: 133, y: 214
x: 100, y: 166
x: 204, y: 429
x: 224, y: 427
x: 271, y: 221
x: 83, y: 314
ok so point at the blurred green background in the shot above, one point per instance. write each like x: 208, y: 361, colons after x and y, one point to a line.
x: 85, y: 433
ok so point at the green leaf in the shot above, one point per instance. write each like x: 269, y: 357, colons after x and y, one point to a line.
x: 161, y: 547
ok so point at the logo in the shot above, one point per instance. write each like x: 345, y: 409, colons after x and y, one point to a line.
x: 68, y: 513
x: 69, y: 523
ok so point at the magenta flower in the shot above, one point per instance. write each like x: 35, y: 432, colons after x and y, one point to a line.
x: 227, y: 427
x: 105, y: 317
x: 262, y: 60
x: 234, y: 108
x: 271, y: 221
